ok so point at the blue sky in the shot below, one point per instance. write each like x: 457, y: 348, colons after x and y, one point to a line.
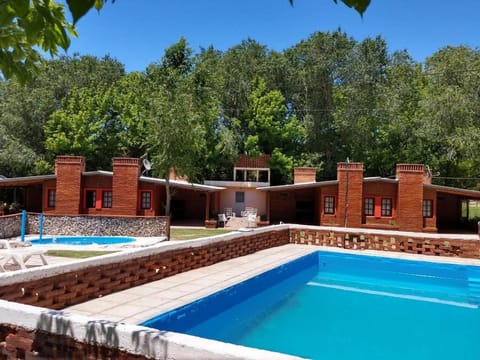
x: 136, y: 32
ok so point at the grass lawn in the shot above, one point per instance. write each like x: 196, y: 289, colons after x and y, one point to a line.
x: 189, y: 234
x: 77, y: 254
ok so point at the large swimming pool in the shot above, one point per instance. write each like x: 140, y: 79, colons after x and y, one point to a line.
x: 339, y: 306
x: 82, y: 240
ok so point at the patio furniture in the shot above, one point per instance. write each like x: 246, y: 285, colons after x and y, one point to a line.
x: 252, y: 220
x: 18, y: 255
x: 229, y: 213
x: 222, y: 220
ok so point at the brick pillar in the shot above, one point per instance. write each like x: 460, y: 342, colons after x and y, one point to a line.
x: 304, y: 175
x: 410, y: 196
x: 68, y: 170
x: 350, y: 194
x: 126, y: 172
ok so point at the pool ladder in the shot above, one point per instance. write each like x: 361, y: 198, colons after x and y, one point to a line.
x: 474, y: 288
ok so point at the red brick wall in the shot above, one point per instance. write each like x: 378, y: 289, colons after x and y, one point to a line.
x: 19, y: 343
x: 69, y: 183
x: 379, y: 190
x: 70, y: 288
x: 350, y: 194
x: 430, y: 224
x: 423, y: 245
x: 49, y: 184
x: 410, y: 196
x: 328, y: 219
x: 304, y: 174
x: 125, y: 186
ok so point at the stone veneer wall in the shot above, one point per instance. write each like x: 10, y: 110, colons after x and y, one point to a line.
x: 100, y: 225
x: 451, y: 245
x: 10, y: 225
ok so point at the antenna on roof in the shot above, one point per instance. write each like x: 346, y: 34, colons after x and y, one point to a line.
x: 147, y: 165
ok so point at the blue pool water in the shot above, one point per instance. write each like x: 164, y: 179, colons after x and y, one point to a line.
x: 83, y: 240
x: 337, y: 306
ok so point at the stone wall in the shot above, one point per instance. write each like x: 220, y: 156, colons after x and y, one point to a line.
x: 10, y: 225
x: 465, y: 246
x: 100, y: 225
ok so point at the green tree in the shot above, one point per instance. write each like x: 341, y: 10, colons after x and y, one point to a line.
x: 319, y: 67
x: 24, y: 109
x: 272, y: 129
x: 179, y: 111
x: 451, y: 111
x: 88, y: 125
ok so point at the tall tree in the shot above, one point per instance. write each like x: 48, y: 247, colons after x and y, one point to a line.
x: 178, y: 110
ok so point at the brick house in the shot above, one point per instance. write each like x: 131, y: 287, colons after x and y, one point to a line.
x: 123, y: 192
x: 249, y: 174
x: 410, y: 202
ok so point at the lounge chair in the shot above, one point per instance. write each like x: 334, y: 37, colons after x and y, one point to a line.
x: 18, y: 255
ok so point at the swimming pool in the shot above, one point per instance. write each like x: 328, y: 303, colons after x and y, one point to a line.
x: 83, y: 240
x: 339, y: 306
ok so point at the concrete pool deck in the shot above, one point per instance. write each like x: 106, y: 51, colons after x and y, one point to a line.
x: 138, y: 304
x: 141, y: 303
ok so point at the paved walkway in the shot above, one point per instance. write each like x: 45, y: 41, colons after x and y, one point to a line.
x: 141, y: 303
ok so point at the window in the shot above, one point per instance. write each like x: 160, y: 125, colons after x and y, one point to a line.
x: 145, y: 200
x: 90, y: 199
x: 369, y: 206
x: 427, y: 208
x: 239, y: 197
x: 386, y: 207
x: 52, y: 197
x: 329, y: 205
x: 106, y: 199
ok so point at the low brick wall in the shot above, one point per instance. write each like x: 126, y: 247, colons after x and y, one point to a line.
x: 98, y: 277
x: 467, y: 246
x: 28, y: 332
x: 100, y: 225
x: 10, y: 225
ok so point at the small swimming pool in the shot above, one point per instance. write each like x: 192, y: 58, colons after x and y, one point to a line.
x: 83, y: 240
x: 340, y: 306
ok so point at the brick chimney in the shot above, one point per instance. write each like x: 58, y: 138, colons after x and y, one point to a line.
x: 68, y: 170
x: 304, y: 175
x: 126, y: 172
x: 350, y: 194
x: 410, y: 196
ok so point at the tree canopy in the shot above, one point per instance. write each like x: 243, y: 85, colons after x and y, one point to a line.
x: 327, y: 98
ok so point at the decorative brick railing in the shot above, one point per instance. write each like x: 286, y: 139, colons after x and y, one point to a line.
x: 100, y: 225
x: 60, y: 287
x: 466, y: 246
